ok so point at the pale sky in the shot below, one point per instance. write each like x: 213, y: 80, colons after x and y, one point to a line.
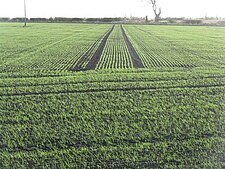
x: 111, y: 8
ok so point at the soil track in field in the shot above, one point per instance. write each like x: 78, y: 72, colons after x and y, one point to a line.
x: 96, y: 57
x: 86, y: 55
x: 112, y: 90
x: 137, y: 63
x: 109, y: 81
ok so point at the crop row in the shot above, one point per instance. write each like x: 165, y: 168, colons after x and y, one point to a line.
x: 115, y: 54
x: 57, y: 54
x: 152, y: 52
x: 193, y: 46
x: 70, y: 52
x: 58, y: 48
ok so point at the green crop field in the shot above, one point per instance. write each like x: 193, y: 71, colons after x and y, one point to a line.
x: 112, y: 96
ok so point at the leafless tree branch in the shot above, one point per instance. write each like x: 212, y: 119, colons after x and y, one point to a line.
x: 154, y: 7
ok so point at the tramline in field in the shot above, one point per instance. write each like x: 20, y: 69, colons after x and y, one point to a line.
x: 104, y: 47
x: 115, y: 54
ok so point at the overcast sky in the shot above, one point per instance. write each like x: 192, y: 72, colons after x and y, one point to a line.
x: 111, y: 8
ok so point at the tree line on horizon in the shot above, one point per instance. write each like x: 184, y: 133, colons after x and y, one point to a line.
x: 61, y: 19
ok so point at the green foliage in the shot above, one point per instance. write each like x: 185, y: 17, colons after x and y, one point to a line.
x: 168, y: 115
x: 115, y: 53
x: 178, y: 46
x: 113, y: 119
x: 43, y: 47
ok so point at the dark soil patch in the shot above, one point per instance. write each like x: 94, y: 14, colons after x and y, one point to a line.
x: 86, y: 55
x: 96, y: 57
x: 134, y: 56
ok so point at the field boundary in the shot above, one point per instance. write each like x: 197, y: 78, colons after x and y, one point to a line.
x: 137, y: 63
x: 97, y: 55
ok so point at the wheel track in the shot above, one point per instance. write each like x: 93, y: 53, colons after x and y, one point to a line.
x: 97, y: 55
x: 137, y: 63
x: 113, y: 90
x: 108, y: 81
x: 78, y: 66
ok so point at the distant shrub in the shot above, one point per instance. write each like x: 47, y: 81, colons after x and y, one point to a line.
x: 104, y: 19
x: 38, y: 19
x: 92, y: 19
x: 193, y: 21
x: 172, y: 21
x: 4, y: 19
x: 18, y: 19
x: 221, y: 23
x: 77, y: 19
x: 62, y: 19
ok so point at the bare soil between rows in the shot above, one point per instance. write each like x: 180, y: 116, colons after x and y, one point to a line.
x: 86, y: 55
x: 137, y: 63
x: 92, y: 64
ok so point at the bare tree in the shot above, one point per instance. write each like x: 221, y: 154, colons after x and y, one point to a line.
x: 154, y: 7
x: 25, y: 14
